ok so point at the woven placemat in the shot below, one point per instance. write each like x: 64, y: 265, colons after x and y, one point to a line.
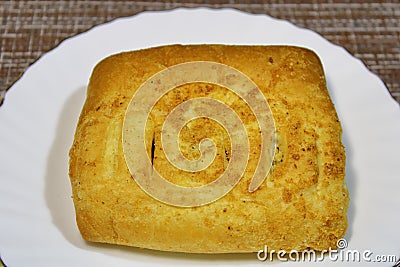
x: 368, y: 30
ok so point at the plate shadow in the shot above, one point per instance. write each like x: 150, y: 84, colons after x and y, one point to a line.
x: 58, y: 188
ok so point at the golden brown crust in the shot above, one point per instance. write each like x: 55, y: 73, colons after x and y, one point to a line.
x: 302, y: 203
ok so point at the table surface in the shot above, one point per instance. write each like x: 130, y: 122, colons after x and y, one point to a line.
x: 368, y: 30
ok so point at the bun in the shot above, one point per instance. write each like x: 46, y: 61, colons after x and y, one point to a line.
x: 302, y: 203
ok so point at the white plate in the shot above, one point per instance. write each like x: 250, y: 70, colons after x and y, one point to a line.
x: 38, y: 118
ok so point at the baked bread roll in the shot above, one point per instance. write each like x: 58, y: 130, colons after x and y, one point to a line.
x: 302, y: 202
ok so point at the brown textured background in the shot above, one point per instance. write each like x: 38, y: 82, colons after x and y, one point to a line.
x: 370, y: 30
